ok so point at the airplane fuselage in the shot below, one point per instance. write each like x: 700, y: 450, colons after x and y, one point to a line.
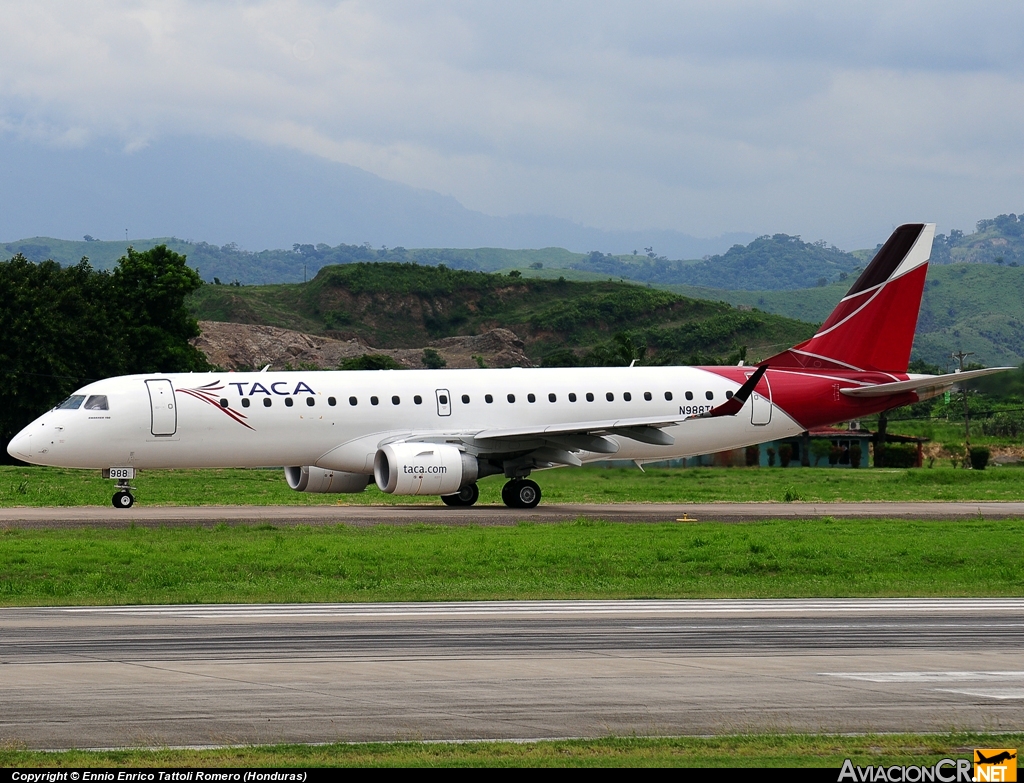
x: 338, y: 420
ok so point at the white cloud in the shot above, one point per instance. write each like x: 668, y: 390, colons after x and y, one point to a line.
x: 829, y: 121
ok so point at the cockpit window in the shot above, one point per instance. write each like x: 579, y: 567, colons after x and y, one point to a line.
x: 72, y: 403
x: 97, y: 402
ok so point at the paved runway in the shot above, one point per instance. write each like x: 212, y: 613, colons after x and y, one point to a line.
x: 92, y: 516
x: 195, y: 675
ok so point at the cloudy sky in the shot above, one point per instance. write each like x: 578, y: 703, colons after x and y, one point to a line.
x: 833, y: 121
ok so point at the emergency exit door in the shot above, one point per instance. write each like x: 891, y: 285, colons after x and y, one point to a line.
x: 761, y: 402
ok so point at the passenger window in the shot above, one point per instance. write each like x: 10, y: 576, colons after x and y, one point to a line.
x: 267, y: 402
x: 609, y: 396
x: 572, y: 396
x: 223, y: 403
x: 396, y: 400
x: 98, y: 402
x: 689, y: 395
x: 710, y: 395
x: 511, y: 398
x: 488, y: 398
x: 668, y: 396
x: 443, y: 399
x: 590, y: 397
x: 531, y: 397
x: 728, y: 395
x: 245, y: 402
x: 310, y: 402
x: 288, y: 402
x: 627, y: 396
x: 647, y: 396
x: 418, y: 400
x: 374, y: 401
x: 552, y: 398
x: 332, y: 401
x: 465, y: 399
x: 72, y: 403
x: 353, y: 401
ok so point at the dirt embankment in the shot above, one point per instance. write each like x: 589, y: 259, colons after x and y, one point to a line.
x: 250, y: 346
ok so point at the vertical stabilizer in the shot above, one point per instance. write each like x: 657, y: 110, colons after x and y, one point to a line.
x: 872, y: 328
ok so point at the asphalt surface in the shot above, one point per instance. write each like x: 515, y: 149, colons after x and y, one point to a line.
x: 215, y: 675
x: 93, y: 516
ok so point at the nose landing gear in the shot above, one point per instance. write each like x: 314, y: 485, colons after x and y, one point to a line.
x: 123, y: 497
x: 521, y: 493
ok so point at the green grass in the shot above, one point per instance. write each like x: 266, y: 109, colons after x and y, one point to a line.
x: 582, y: 559
x: 772, y: 750
x: 32, y: 486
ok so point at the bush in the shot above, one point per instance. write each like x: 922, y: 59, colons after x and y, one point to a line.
x: 820, y: 449
x: 855, y: 455
x: 433, y: 360
x: 753, y: 456
x: 896, y: 455
x: 979, y: 457
x: 371, y: 361
x: 771, y: 458
x: 785, y: 454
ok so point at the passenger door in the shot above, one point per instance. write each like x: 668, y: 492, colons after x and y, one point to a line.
x: 164, y: 421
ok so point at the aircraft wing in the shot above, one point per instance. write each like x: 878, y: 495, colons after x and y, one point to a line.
x: 539, y: 445
x: 925, y: 386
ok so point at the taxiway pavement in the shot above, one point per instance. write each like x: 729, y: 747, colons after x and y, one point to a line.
x: 214, y: 675
x: 93, y: 516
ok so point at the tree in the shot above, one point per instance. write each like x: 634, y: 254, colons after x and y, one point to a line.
x: 65, y: 327
x: 150, y: 290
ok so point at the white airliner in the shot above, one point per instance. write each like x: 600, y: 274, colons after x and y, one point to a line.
x: 437, y: 432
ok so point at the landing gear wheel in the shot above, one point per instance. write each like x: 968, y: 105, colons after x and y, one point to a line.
x: 466, y: 496
x: 521, y: 493
x: 123, y: 500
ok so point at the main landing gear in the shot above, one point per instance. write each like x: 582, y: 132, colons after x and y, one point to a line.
x: 466, y: 496
x: 517, y: 493
x: 521, y: 493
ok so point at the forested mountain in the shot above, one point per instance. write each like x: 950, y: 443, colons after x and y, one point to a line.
x: 768, y: 263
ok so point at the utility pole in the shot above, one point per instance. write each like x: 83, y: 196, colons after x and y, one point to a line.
x: 960, y: 356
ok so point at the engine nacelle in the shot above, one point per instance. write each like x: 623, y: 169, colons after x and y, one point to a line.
x: 423, y: 469
x: 314, y: 479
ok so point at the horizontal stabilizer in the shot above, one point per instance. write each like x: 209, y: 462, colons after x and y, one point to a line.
x: 924, y: 385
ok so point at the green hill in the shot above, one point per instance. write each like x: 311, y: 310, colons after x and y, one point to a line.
x: 393, y: 305
x: 969, y: 307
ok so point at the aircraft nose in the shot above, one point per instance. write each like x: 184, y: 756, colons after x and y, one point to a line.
x: 20, y: 446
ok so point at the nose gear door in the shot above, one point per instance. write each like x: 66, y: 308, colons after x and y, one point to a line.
x: 444, y: 402
x: 161, y: 402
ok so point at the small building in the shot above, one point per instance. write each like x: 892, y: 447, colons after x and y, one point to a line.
x: 846, y: 448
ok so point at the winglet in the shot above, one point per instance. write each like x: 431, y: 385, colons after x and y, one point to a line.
x: 733, y: 405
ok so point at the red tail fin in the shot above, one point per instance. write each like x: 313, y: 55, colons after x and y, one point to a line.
x: 872, y: 328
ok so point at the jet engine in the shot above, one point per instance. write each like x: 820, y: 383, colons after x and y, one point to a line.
x: 423, y: 469
x: 313, y: 479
